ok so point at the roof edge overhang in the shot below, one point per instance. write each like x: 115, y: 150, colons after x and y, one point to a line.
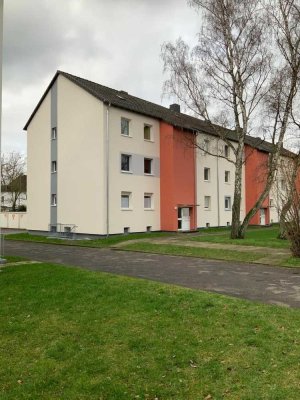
x: 190, y: 128
x: 41, y: 100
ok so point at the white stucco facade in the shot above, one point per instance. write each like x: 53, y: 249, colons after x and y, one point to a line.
x: 80, y: 159
x: 214, y: 185
x: 134, y: 182
x: 38, y: 168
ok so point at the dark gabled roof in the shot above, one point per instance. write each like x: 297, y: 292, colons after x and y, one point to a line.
x: 122, y: 99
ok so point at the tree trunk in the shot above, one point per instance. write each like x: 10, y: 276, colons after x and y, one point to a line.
x: 290, y: 198
x: 236, y: 207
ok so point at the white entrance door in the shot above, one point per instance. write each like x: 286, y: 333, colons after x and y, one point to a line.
x: 262, y: 216
x: 185, y: 215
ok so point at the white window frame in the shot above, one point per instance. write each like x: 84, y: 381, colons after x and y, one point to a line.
x: 227, y: 198
x: 129, y: 163
x: 53, y: 167
x: 126, y: 195
x: 227, y: 177
x: 148, y: 128
x: 208, y: 174
x: 148, y: 196
x: 53, y: 133
x: 53, y: 200
x: 123, y: 119
x: 151, y: 166
x: 207, y: 202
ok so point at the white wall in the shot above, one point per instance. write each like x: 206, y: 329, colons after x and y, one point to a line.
x: 137, y: 218
x: 14, y: 220
x: 216, y: 215
x: 38, y: 168
x: 80, y: 160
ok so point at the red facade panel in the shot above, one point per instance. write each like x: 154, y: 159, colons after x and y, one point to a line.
x: 256, y: 170
x: 177, y: 176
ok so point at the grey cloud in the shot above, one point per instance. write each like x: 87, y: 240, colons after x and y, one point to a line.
x: 116, y: 43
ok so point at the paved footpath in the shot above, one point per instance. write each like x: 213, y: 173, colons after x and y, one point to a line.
x: 266, y: 284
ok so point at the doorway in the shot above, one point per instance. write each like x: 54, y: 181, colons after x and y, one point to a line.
x: 262, y: 216
x: 184, y: 219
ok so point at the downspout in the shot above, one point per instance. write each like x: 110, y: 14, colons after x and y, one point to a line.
x: 195, y: 184
x: 107, y: 167
x: 218, y: 184
x: 2, y: 261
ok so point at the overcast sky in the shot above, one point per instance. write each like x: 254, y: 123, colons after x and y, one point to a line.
x: 113, y: 42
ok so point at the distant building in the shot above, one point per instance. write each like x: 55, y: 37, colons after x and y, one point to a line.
x: 14, y: 195
x: 108, y: 162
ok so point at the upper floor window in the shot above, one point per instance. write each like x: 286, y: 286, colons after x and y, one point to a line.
x: 227, y: 203
x: 227, y: 176
x: 148, y: 165
x: 147, y: 132
x: 226, y: 151
x: 124, y: 126
x: 125, y: 162
x: 53, y: 166
x: 206, y: 174
x: 206, y: 146
x: 53, y: 134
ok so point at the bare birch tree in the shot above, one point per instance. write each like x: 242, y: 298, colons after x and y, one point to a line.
x: 226, y: 78
x: 12, y: 178
x: 284, y: 17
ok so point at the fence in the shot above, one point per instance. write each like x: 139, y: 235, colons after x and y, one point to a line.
x: 13, y: 220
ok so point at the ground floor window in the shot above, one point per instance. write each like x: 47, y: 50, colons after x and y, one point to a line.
x: 227, y: 203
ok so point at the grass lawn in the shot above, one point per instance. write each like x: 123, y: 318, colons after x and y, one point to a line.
x: 262, y: 237
x: 216, y: 254
x: 212, y: 254
x: 103, y: 242
x: 73, y: 334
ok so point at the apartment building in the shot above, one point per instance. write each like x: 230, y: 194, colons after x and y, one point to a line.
x: 104, y: 162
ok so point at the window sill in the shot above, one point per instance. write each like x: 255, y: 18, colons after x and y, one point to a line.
x: 128, y: 136
x: 126, y: 209
x: 149, y: 209
x: 206, y: 181
x: 227, y: 209
x: 53, y: 172
x: 126, y: 172
x: 53, y: 205
x: 207, y: 209
x: 149, y: 140
x: 148, y: 174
